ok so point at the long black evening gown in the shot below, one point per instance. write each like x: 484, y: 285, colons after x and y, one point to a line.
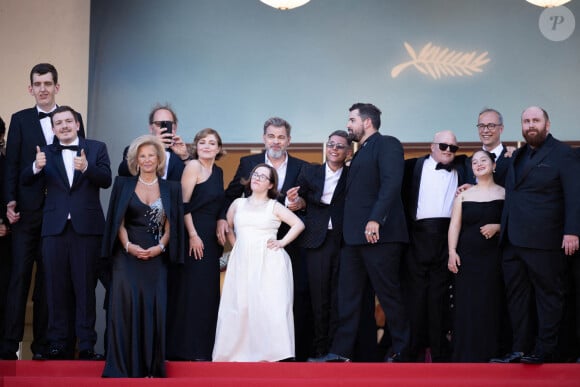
x: 138, y: 299
x: 478, y: 285
x: 194, y: 288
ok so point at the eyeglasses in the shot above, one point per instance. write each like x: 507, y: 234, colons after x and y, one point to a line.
x: 260, y: 177
x: 491, y: 126
x: 452, y: 148
x: 335, y: 145
x: 159, y: 123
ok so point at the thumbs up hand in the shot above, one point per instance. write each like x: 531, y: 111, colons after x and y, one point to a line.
x: 81, y: 162
x: 40, y: 161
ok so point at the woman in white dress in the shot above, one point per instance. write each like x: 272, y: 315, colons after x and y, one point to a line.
x: 255, y: 320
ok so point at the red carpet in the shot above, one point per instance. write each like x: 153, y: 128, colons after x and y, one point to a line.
x: 87, y: 374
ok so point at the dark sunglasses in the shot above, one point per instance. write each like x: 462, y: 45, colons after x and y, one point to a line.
x: 452, y: 148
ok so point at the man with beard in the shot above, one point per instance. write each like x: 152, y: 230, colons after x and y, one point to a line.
x: 540, y: 227
x: 276, y: 138
x: 374, y: 234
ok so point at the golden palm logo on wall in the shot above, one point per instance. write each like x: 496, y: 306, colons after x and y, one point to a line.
x: 436, y: 62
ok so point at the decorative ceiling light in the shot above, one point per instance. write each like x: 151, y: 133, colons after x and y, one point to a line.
x: 285, y: 4
x: 548, y: 3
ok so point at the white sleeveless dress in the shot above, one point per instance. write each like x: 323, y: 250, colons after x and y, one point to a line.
x: 255, y: 320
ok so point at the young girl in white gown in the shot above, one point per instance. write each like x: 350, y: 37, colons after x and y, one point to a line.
x: 255, y: 320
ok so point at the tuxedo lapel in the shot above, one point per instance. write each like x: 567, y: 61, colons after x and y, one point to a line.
x: 59, y: 163
x: 340, y: 186
x: 540, y: 155
x: 36, y: 133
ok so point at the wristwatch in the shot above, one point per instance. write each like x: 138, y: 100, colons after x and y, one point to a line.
x: 162, y: 247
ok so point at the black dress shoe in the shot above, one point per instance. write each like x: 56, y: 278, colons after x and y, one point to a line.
x: 537, y: 358
x: 89, y: 354
x: 394, y: 358
x: 329, y: 358
x: 40, y: 356
x: 513, y: 357
x: 8, y: 356
x: 53, y: 354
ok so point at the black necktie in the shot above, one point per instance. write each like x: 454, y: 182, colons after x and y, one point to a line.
x: 69, y: 147
x: 447, y: 167
x: 42, y: 115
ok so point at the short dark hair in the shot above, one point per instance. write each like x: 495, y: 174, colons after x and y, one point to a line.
x: 490, y: 110
x: 277, y: 121
x: 2, y: 126
x: 44, y: 68
x: 368, y: 110
x: 162, y: 107
x: 204, y: 133
x: 272, y: 192
x: 343, y: 134
x: 64, y: 108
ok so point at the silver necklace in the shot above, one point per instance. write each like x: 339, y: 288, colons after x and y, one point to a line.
x: 148, y: 184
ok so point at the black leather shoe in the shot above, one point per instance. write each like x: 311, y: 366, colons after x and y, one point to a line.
x: 329, y: 358
x: 40, y: 356
x: 8, y: 356
x: 394, y: 358
x: 513, y: 357
x: 53, y: 354
x: 537, y: 358
x: 89, y: 354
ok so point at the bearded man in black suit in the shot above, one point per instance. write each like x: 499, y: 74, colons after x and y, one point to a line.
x: 540, y: 227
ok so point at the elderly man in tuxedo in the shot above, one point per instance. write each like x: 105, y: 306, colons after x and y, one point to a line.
x: 428, y: 192
x: 163, y: 124
x: 71, y: 171
x: 276, y: 137
x: 540, y: 227
x: 28, y: 128
x: 374, y: 234
x: 320, y: 190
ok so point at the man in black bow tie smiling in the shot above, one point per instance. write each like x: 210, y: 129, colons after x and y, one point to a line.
x: 72, y: 171
x: 429, y: 187
x: 28, y: 128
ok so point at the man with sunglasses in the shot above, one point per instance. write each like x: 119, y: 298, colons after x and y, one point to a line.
x: 320, y: 193
x: 163, y: 124
x: 429, y: 187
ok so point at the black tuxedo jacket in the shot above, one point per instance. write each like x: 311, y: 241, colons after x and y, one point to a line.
x: 317, y: 214
x: 247, y: 163
x: 412, y: 181
x: 373, y: 191
x: 174, y: 169
x: 24, y: 134
x: 501, y: 167
x: 542, y: 205
x: 123, y: 189
x: 81, y: 200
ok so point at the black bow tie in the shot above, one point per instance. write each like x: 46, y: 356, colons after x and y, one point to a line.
x: 42, y: 115
x: 69, y: 147
x: 447, y: 167
x: 493, y: 156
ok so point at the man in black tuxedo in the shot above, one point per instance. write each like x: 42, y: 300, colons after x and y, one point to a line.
x: 163, y: 124
x: 540, y: 227
x: 277, y: 138
x: 28, y: 128
x: 429, y: 188
x: 320, y: 193
x: 490, y: 128
x: 374, y: 233
x: 71, y: 171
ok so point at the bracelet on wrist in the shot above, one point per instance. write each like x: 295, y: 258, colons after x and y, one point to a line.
x: 162, y: 247
x: 127, y: 246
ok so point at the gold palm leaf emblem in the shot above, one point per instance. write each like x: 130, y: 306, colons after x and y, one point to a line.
x: 436, y: 62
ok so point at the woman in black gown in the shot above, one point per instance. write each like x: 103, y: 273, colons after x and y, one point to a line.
x: 474, y: 257
x: 143, y: 233
x: 194, y: 289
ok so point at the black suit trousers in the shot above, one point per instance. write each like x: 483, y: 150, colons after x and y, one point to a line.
x: 25, y: 252
x: 70, y: 262
x: 534, y: 277
x: 379, y: 264
x: 322, y: 263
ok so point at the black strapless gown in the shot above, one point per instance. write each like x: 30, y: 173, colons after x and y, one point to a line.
x: 478, y: 285
x: 138, y: 299
x: 194, y: 288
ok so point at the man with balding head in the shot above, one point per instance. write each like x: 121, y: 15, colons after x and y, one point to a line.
x: 540, y: 226
x: 429, y: 187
